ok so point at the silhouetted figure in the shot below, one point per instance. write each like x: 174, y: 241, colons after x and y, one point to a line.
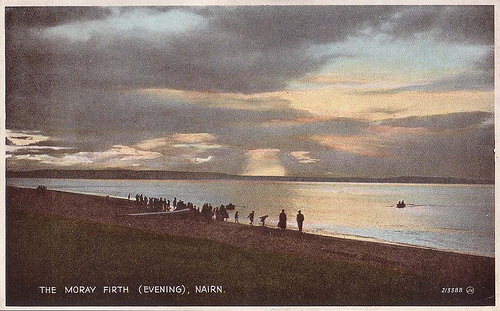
x: 263, y: 220
x: 41, y: 189
x: 236, y: 218
x: 206, y: 212
x: 180, y: 205
x: 251, y: 216
x: 223, y: 212
x: 300, y: 220
x: 174, y: 204
x: 282, y: 221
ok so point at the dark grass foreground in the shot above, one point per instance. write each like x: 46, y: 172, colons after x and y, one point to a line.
x: 47, y: 251
x: 60, y: 239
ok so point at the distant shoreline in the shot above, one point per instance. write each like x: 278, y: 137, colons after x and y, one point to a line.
x: 175, y: 175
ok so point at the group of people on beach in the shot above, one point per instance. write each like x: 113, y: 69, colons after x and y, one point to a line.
x: 209, y: 213
x: 219, y: 213
x: 150, y: 202
x: 162, y: 204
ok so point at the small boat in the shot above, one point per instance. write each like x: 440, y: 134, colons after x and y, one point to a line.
x: 401, y: 204
x: 230, y: 206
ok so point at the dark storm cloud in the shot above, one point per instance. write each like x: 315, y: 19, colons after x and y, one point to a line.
x: 465, y: 24
x: 51, y: 16
x: 468, y: 152
x: 457, y: 144
x: 470, y: 24
x: 289, y: 137
x: 92, y: 120
x: 291, y: 26
x: 487, y: 62
x: 247, y: 49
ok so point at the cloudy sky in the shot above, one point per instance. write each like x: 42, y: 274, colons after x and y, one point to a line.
x: 337, y: 91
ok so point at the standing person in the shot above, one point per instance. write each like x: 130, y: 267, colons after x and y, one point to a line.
x: 251, y: 216
x: 300, y: 220
x: 282, y: 222
x: 236, y: 218
x: 223, y: 212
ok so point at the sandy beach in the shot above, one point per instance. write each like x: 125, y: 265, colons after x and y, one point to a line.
x: 445, y: 269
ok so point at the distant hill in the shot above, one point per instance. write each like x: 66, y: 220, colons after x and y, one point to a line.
x: 131, y: 174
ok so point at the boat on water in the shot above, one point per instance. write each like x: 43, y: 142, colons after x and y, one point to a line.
x: 401, y: 204
x: 230, y: 206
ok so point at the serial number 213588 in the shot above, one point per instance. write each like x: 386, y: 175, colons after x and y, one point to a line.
x: 451, y: 290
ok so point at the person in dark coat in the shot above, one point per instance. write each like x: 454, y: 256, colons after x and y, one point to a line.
x: 251, y: 216
x: 282, y: 221
x: 300, y: 220
x: 224, y: 213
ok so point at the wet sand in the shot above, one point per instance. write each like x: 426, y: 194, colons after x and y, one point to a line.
x: 446, y: 269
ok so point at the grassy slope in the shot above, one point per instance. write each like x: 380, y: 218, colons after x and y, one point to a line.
x: 58, y: 252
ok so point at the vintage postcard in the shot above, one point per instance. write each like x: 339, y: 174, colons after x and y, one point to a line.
x: 262, y: 155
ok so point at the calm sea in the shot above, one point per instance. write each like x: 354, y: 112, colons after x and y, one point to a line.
x: 448, y: 217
